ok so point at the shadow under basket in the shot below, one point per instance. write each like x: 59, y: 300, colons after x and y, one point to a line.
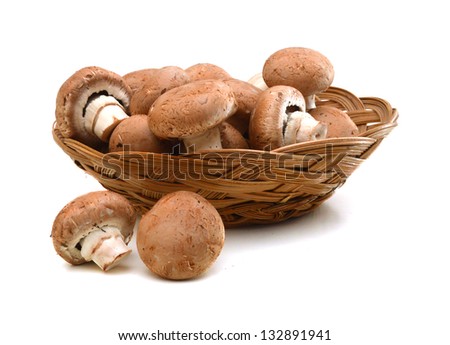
x: 246, y: 186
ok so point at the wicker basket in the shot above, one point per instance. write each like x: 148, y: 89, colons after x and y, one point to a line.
x: 246, y: 186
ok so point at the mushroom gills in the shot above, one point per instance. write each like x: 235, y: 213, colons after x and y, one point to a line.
x: 105, y: 246
x: 299, y: 127
x: 102, y: 114
x: 290, y: 109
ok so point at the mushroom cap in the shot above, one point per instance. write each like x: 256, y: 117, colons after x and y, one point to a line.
x: 338, y: 122
x: 158, y: 82
x: 246, y: 96
x: 204, y: 70
x: 267, y: 123
x: 181, y: 236
x: 136, y: 79
x: 231, y: 138
x: 134, y: 134
x: 87, y: 213
x: 74, y: 95
x: 191, y: 109
x: 305, y: 69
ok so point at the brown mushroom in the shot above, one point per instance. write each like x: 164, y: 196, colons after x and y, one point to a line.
x: 307, y: 70
x: 338, y: 122
x: 133, y: 134
x: 231, y: 138
x: 192, y: 113
x: 181, y: 236
x: 202, y: 71
x: 160, y: 81
x: 136, y: 79
x: 94, y: 227
x: 279, y: 119
x: 90, y: 104
x: 246, y: 96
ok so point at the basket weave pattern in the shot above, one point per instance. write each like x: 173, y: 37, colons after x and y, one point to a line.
x: 246, y: 186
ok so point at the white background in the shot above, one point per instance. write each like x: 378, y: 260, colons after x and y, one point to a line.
x: 371, y: 265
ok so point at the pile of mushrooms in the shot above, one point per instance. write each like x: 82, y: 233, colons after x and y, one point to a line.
x: 200, y: 108
x: 159, y: 108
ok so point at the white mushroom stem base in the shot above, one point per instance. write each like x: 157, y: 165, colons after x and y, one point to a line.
x: 302, y: 127
x: 105, y: 247
x: 102, y: 115
x: 209, y: 140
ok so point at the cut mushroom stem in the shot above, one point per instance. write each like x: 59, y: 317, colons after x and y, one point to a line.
x: 209, y: 140
x: 102, y: 115
x: 301, y: 126
x: 104, y: 246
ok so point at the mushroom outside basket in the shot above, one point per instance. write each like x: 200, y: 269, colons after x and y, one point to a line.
x: 246, y: 186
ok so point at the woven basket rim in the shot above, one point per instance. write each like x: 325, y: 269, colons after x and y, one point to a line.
x: 59, y: 139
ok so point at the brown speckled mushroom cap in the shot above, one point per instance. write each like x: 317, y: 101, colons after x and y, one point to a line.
x: 338, y: 122
x: 231, y: 138
x: 88, y: 213
x: 77, y: 91
x: 191, y: 109
x: 202, y: 71
x: 136, y: 79
x: 268, y: 121
x: 158, y: 82
x: 246, y: 96
x: 305, y: 69
x: 181, y: 236
x: 133, y: 134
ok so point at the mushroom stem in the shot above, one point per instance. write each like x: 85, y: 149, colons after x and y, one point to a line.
x: 102, y: 115
x: 258, y: 81
x: 104, y: 246
x: 310, y: 102
x: 302, y: 127
x: 209, y: 140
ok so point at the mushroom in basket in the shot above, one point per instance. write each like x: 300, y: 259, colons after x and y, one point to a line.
x: 338, y: 122
x: 192, y: 113
x: 279, y: 119
x: 90, y: 104
x: 246, y: 96
x: 133, y: 134
x: 204, y: 70
x: 155, y: 83
x: 307, y: 70
x: 231, y: 138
